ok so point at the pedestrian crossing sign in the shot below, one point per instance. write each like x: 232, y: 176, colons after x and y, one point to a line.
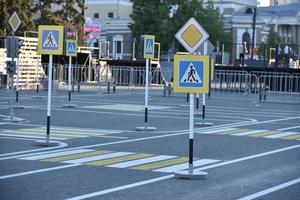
x: 50, y: 40
x: 149, y: 41
x: 191, y: 73
x: 71, y: 48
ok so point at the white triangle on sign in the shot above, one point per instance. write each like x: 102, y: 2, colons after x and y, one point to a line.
x: 149, y: 47
x: 191, y: 75
x: 50, y: 41
x: 71, y: 48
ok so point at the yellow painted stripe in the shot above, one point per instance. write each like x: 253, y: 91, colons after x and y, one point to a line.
x: 19, y: 133
x: 61, y: 131
x: 75, y: 156
x: 291, y: 137
x: 233, y: 131
x: 265, y: 133
x: 160, y: 164
x: 118, y: 159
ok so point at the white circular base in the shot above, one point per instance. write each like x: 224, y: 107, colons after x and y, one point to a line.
x: 43, y: 143
x: 203, y: 124
x: 143, y: 128
x: 186, y: 174
x: 69, y: 106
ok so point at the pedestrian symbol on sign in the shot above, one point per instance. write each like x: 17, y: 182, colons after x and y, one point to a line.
x: 149, y: 49
x: 191, y: 75
x: 71, y: 47
x: 50, y: 41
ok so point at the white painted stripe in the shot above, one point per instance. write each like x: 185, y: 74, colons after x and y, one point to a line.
x: 289, y: 128
x: 183, y: 166
x: 57, y: 134
x: 272, y: 189
x: 279, y: 135
x: 37, y: 171
x: 29, y: 136
x: 100, y: 157
x: 50, y: 155
x: 124, y: 187
x: 218, y: 130
x: 249, y: 132
x: 141, y: 161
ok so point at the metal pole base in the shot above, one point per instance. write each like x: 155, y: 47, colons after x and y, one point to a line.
x: 44, y: 143
x: 145, y: 128
x: 197, y: 114
x: 191, y: 175
x: 203, y: 124
x: 69, y: 105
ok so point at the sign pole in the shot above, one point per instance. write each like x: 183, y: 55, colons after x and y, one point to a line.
x: 49, y: 98
x: 146, y: 93
x: 191, y: 134
x: 17, y: 86
x: 69, y: 78
x: 11, y: 114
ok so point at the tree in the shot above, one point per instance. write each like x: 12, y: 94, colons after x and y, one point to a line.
x: 164, y: 18
x: 24, y: 10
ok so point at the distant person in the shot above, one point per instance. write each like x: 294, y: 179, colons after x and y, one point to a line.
x: 277, y: 55
x: 286, y: 52
x: 243, y: 51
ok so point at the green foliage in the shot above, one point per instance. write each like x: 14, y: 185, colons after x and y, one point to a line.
x: 273, y: 38
x: 24, y: 10
x: 163, y: 18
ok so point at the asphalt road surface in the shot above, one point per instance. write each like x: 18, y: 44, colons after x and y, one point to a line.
x: 252, y: 150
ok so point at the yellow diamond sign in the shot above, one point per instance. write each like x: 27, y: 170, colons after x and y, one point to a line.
x: 191, y: 35
x: 14, y: 21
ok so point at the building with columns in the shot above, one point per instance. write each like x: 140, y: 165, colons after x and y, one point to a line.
x: 283, y: 19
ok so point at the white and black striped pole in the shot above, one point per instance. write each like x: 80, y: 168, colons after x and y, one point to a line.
x: 146, y: 127
x: 47, y: 141
x: 191, y: 134
x: 69, y: 105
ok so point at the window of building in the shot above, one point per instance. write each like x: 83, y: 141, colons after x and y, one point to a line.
x: 118, y: 46
x: 110, y: 15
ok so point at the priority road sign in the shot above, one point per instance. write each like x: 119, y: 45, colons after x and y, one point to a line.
x: 14, y: 21
x: 191, y: 35
x: 71, y: 48
x: 149, y: 41
x: 191, y: 73
x: 50, y: 40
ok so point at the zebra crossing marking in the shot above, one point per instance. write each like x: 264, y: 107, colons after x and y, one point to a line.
x: 274, y: 134
x: 58, y: 133
x: 129, y: 160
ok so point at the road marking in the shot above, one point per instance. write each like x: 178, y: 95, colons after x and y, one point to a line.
x: 279, y: 135
x: 265, y: 133
x: 49, y: 155
x: 218, y: 130
x: 75, y: 156
x: 37, y: 171
x: 249, y: 132
x: 292, y: 137
x: 184, y: 166
x: 100, y: 157
x: 161, y: 164
x: 232, y: 131
x: 272, y: 189
x: 141, y: 161
x: 34, y: 137
x: 29, y: 133
x: 289, y: 128
x: 119, y: 159
x: 124, y: 187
